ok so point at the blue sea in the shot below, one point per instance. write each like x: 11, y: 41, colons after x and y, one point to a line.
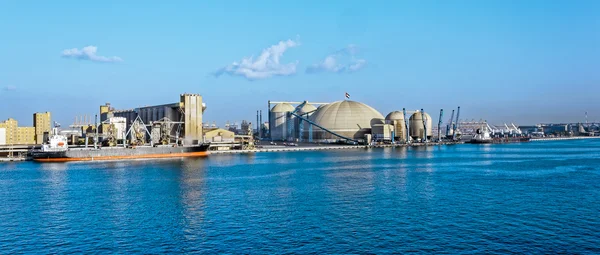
x: 532, y: 198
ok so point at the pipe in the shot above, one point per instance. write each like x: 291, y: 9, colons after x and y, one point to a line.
x: 96, y: 138
x: 260, y: 134
x: 440, y: 125
x: 405, y: 125
x: 424, y: 119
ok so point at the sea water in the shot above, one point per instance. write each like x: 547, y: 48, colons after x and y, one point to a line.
x: 536, y: 197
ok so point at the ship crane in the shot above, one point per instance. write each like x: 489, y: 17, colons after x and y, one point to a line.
x: 450, y: 124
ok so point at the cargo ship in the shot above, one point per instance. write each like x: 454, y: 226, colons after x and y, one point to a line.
x: 483, y: 136
x: 57, y: 150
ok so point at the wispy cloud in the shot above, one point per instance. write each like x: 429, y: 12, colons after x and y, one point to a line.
x: 88, y: 53
x: 10, y: 88
x: 266, y: 65
x: 341, y: 61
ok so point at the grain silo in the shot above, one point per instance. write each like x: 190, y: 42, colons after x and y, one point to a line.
x: 305, y: 111
x: 347, y: 118
x: 278, y: 121
x: 416, y: 127
x: 396, y: 119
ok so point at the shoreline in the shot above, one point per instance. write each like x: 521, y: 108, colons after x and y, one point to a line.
x: 325, y: 147
x: 563, y: 138
x: 342, y: 147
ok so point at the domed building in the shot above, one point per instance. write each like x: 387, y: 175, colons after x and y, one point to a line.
x: 278, y: 120
x: 417, y: 130
x: 396, y: 119
x: 347, y: 118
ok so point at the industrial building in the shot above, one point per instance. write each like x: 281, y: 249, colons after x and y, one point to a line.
x: 347, y: 120
x: 11, y: 133
x: 420, y: 126
x: 42, y: 125
x: 166, y: 123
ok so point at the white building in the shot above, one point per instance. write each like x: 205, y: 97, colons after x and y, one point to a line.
x: 2, y: 136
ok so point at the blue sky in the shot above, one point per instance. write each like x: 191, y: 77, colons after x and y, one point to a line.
x: 504, y: 61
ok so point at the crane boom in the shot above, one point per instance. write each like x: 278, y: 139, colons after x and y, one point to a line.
x: 456, y: 124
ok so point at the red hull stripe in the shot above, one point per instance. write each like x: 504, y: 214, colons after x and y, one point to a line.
x: 169, y: 155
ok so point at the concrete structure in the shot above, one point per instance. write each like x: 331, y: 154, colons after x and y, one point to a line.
x: 306, y: 111
x: 42, y: 124
x: 2, y: 136
x: 11, y: 130
x: 192, y: 107
x: 17, y: 135
x: 347, y: 118
x: 219, y: 135
x: 278, y: 120
x: 188, y: 110
x: 396, y: 119
x: 416, y: 127
x: 382, y: 132
x: 25, y: 135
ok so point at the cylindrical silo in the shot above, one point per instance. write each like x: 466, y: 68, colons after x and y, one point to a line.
x: 417, y: 129
x: 305, y: 111
x: 278, y: 121
x: 396, y: 119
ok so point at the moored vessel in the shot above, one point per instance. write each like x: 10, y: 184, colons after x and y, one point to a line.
x: 57, y: 150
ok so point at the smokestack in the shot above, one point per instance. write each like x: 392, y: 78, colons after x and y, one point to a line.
x: 260, y: 125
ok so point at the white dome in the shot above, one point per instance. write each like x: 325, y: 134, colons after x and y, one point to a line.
x: 395, y: 115
x: 348, y: 118
x: 283, y: 107
x: 306, y: 108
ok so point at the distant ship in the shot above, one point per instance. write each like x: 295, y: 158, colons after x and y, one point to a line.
x: 57, y: 150
x: 483, y: 136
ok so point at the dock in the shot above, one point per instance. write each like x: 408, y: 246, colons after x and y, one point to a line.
x: 564, y: 138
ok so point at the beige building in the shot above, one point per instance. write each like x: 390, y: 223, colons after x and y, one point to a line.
x: 219, y: 135
x: 25, y: 135
x: 192, y: 107
x: 11, y: 130
x: 42, y: 124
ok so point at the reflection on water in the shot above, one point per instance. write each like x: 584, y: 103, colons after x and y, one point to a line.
x: 489, y: 199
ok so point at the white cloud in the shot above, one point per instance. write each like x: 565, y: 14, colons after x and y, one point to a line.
x: 88, y: 53
x: 266, y: 65
x: 341, y: 61
x: 10, y: 88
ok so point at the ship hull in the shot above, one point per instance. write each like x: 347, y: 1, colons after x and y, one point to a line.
x: 120, y: 153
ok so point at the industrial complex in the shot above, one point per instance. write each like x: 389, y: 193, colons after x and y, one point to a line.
x: 343, y: 121
x: 347, y: 122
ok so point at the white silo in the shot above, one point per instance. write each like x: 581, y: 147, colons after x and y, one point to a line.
x: 278, y: 122
x: 305, y: 111
x: 396, y: 119
x: 416, y: 128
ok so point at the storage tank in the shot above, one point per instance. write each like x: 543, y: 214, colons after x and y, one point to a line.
x: 305, y: 111
x: 416, y: 126
x: 396, y: 119
x: 278, y: 121
x: 347, y: 118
